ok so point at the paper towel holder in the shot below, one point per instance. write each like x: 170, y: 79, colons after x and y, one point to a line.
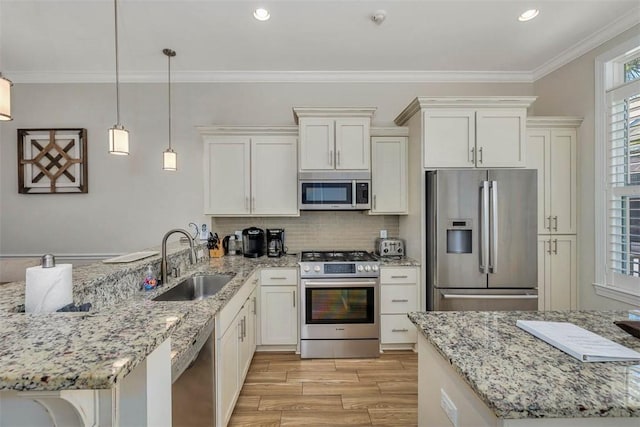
x: 48, y: 261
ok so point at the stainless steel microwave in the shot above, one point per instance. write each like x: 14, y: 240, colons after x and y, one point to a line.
x: 334, y: 190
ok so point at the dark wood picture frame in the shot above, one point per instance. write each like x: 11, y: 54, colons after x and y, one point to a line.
x: 52, y: 161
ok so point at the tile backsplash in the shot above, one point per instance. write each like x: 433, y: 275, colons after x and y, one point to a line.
x: 318, y: 230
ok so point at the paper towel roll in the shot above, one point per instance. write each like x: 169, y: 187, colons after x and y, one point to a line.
x: 48, y: 289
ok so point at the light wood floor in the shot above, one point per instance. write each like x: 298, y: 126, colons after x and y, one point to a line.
x: 283, y: 390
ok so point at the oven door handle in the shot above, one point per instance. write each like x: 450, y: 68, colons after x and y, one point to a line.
x: 338, y: 283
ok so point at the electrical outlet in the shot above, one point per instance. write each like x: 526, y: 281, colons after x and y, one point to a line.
x: 449, y: 408
x: 383, y: 234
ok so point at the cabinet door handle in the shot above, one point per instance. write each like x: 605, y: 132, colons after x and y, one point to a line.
x: 399, y: 300
x: 480, y: 150
x: 555, y: 246
x: 253, y: 201
x: 330, y: 157
x: 555, y: 223
x: 246, y: 203
x: 548, y: 220
x: 240, y: 331
x: 294, y: 299
x: 399, y: 277
x: 473, y: 155
x: 374, y: 201
x: 549, y: 250
x: 399, y: 330
x: 338, y: 157
x: 255, y: 305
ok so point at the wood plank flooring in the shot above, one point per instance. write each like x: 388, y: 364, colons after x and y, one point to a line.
x: 283, y: 390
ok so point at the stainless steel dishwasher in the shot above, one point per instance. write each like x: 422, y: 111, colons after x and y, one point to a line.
x: 193, y: 394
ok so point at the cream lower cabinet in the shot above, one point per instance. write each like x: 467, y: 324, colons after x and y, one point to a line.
x: 389, y: 176
x: 235, y: 345
x: 250, y: 174
x: 557, y: 272
x: 398, y: 296
x: 279, y: 308
x: 552, y: 150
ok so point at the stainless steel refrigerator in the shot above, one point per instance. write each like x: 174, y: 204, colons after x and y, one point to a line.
x: 482, y: 239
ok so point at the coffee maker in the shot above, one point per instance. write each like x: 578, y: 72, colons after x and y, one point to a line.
x: 253, y: 242
x: 275, y: 242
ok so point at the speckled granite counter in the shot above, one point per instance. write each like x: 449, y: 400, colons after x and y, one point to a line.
x: 519, y: 376
x: 69, y: 351
x: 398, y: 262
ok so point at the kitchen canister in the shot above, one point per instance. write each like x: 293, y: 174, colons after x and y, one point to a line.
x: 49, y: 286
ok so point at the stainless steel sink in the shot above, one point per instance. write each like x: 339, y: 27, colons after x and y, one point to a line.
x: 195, y: 288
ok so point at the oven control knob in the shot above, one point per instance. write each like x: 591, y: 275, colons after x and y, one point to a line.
x: 374, y: 267
x: 316, y: 268
x: 360, y: 268
x: 307, y: 268
x: 367, y: 268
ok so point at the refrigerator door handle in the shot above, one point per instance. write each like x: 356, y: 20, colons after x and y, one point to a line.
x: 493, y: 219
x: 488, y: 296
x: 484, y: 231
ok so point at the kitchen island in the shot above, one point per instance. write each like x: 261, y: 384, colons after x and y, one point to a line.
x: 488, y: 372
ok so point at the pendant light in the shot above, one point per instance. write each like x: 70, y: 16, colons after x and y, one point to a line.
x: 5, y: 99
x: 169, y: 157
x: 118, y: 135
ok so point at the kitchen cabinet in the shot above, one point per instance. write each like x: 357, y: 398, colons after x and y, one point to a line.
x: 483, y: 132
x: 234, y: 331
x: 398, y: 296
x: 557, y: 272
x: 334, y: 138
x: 389, y: 175
x: 250, y: 173
x: 279, y: 307
x: 551, y: 149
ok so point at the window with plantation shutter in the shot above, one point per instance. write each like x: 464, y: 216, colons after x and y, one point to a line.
x: 623, y: 185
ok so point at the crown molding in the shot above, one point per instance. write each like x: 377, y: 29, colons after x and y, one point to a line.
x: 366, y: 112
x: 553, y: 121
x: 593, y: 41
x: 273, y: 77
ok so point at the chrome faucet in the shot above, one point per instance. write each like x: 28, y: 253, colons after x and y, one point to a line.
x: 163, y: 263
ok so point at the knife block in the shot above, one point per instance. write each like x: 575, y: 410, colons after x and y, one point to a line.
x: 216, y: 253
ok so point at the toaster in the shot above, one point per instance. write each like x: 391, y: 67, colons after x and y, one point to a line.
x: 388, y: 247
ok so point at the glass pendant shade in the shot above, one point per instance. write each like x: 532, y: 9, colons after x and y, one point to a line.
x: 169, y: 160
x: 118, y: 140
x: 5, y: 99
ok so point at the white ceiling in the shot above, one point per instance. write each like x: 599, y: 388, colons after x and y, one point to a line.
x: 305, y: 40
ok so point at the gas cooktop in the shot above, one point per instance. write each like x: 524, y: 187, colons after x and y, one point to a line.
x: 336, y: 256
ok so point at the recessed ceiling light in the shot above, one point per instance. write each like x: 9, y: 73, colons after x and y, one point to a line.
x: 261, y: 14
x: 528, y: 15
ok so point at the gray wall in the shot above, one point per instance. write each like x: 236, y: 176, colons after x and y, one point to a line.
x: 570, y: 91
x: 131, y: 201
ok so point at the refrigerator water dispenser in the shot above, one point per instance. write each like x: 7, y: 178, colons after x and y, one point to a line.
x: 459, y: 237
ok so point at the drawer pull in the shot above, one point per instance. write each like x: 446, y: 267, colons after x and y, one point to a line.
x: 399, y: 300
x: 278, y: 278
x: 399, y: 277
x: 399, y: 330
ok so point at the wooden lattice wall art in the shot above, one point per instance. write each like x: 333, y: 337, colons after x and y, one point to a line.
x: 52, y: 161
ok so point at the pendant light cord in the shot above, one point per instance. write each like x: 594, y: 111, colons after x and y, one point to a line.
x: 115, y: 11
x: 169, y: 88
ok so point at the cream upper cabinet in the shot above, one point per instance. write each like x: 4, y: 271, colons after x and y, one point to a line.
x: 551, y: 149
x: 334, y: 138
x: 466, y: 138
x: 469, y: 132
x: 557, y: 272
x: 389, y: 175
x: 250, y: 171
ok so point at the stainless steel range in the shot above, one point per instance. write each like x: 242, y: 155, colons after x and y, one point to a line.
x: 339, y: 293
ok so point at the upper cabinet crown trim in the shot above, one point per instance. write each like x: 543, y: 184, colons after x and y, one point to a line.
x: 553, y: 121
x: 248, y: 130
x: 463, y: 101
x: 332, y: 112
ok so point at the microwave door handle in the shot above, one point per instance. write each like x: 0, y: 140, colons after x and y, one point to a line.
x: 353, y: 193
x: 484, y: 226
x: 493, y: 254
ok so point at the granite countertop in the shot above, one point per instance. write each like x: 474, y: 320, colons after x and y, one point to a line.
x: 95, y: 350
x: 397, y: 262
x: 520, y: 376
